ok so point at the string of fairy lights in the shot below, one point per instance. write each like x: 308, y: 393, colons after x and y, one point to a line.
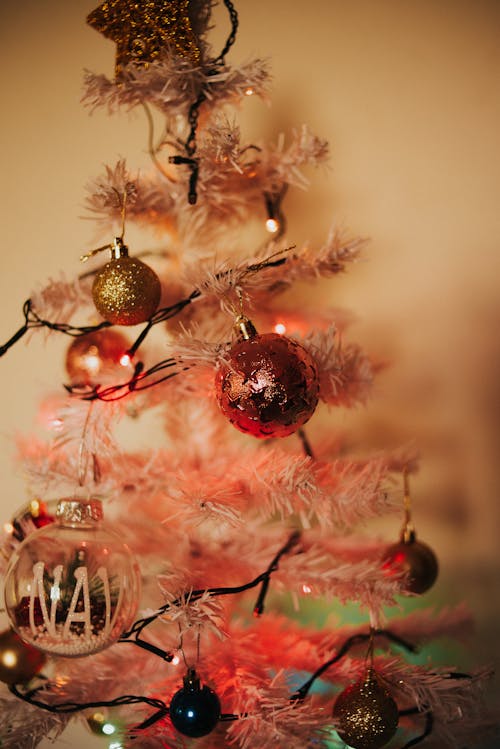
x: 203, y: 701
x: 141, y: 378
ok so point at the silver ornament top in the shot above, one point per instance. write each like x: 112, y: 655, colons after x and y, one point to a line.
x: 79, y: 511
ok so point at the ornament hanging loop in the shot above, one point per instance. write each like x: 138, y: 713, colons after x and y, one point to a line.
x: 83, y: 452
x: 370, y: 650
x: 117, y: 247
x: 408, y: 529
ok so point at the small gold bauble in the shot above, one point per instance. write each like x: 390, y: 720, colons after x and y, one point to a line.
x: 126, y: 291
x: 96, y: 721
x: 366, y: 716
x: 102, y: 723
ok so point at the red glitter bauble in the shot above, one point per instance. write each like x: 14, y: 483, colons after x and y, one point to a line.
x: 414, y: 559
x: 269, y: 387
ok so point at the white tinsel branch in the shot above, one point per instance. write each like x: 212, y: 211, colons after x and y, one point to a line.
x: 59, y: 300
x: 172, y: 85
x: 24, y: 726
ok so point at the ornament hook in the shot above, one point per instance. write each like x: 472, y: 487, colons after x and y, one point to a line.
x: 118, y: 250
x: 408, y: 529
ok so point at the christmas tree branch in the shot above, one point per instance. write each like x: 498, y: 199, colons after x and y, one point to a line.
x: 133, y: 634
x: 34, y: 320
x: 31, y: 696
x: 357, y: 639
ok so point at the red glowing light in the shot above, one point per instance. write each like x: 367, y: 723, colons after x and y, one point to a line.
x: 395, y: 564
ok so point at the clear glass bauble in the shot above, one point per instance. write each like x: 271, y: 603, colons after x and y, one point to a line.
x: 72, y: 588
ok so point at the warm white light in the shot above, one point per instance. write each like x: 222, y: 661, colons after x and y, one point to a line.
x: 108, y: 729
x: 8, y: 528
x: 56, y: 424
x: 280, y: 328
x: 116, y: 745
x: 249, y: 91
x: 35, y: 507
x: 55, y: 593
x: 306, y: 588
x: 176, y: 660
x: 92, y: 363
x: 272, y: 225
x: 9, y: 658
x: 125, y: 360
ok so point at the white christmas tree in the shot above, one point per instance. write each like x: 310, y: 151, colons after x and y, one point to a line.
x: 231, y: 530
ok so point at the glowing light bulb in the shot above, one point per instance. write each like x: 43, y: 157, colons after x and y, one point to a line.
x: 92, y: 363
x: 249, y: 91
x: 8, y: 528
x: 108, y: 729
x: 306, y: 588
x: 280, y: 328
x: 272, y: 225
x: 56, y: 424
x: 9, y: 658
x: 176, y: 660
x: 125, y: 360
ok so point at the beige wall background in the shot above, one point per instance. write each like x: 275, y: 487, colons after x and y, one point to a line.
x: 407, y: 92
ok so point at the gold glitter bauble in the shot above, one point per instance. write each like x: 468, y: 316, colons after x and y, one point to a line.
x: 143, y: 30
x: 19, y: 662
x: 126, y: 291
x: 365, y: 714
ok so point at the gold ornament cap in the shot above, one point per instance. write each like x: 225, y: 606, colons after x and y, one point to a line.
x: 118, y: 249
x: 244, y: 328
x: 78, y: 512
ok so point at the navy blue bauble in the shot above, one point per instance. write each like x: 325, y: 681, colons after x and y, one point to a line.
x: 194, y: 710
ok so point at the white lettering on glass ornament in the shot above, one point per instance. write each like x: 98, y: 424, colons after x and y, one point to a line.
x: 80, y: 606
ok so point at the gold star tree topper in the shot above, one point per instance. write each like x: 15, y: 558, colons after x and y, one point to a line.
x: 143, y: 29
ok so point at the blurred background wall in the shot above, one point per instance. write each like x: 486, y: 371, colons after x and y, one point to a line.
x: 407, y: 93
